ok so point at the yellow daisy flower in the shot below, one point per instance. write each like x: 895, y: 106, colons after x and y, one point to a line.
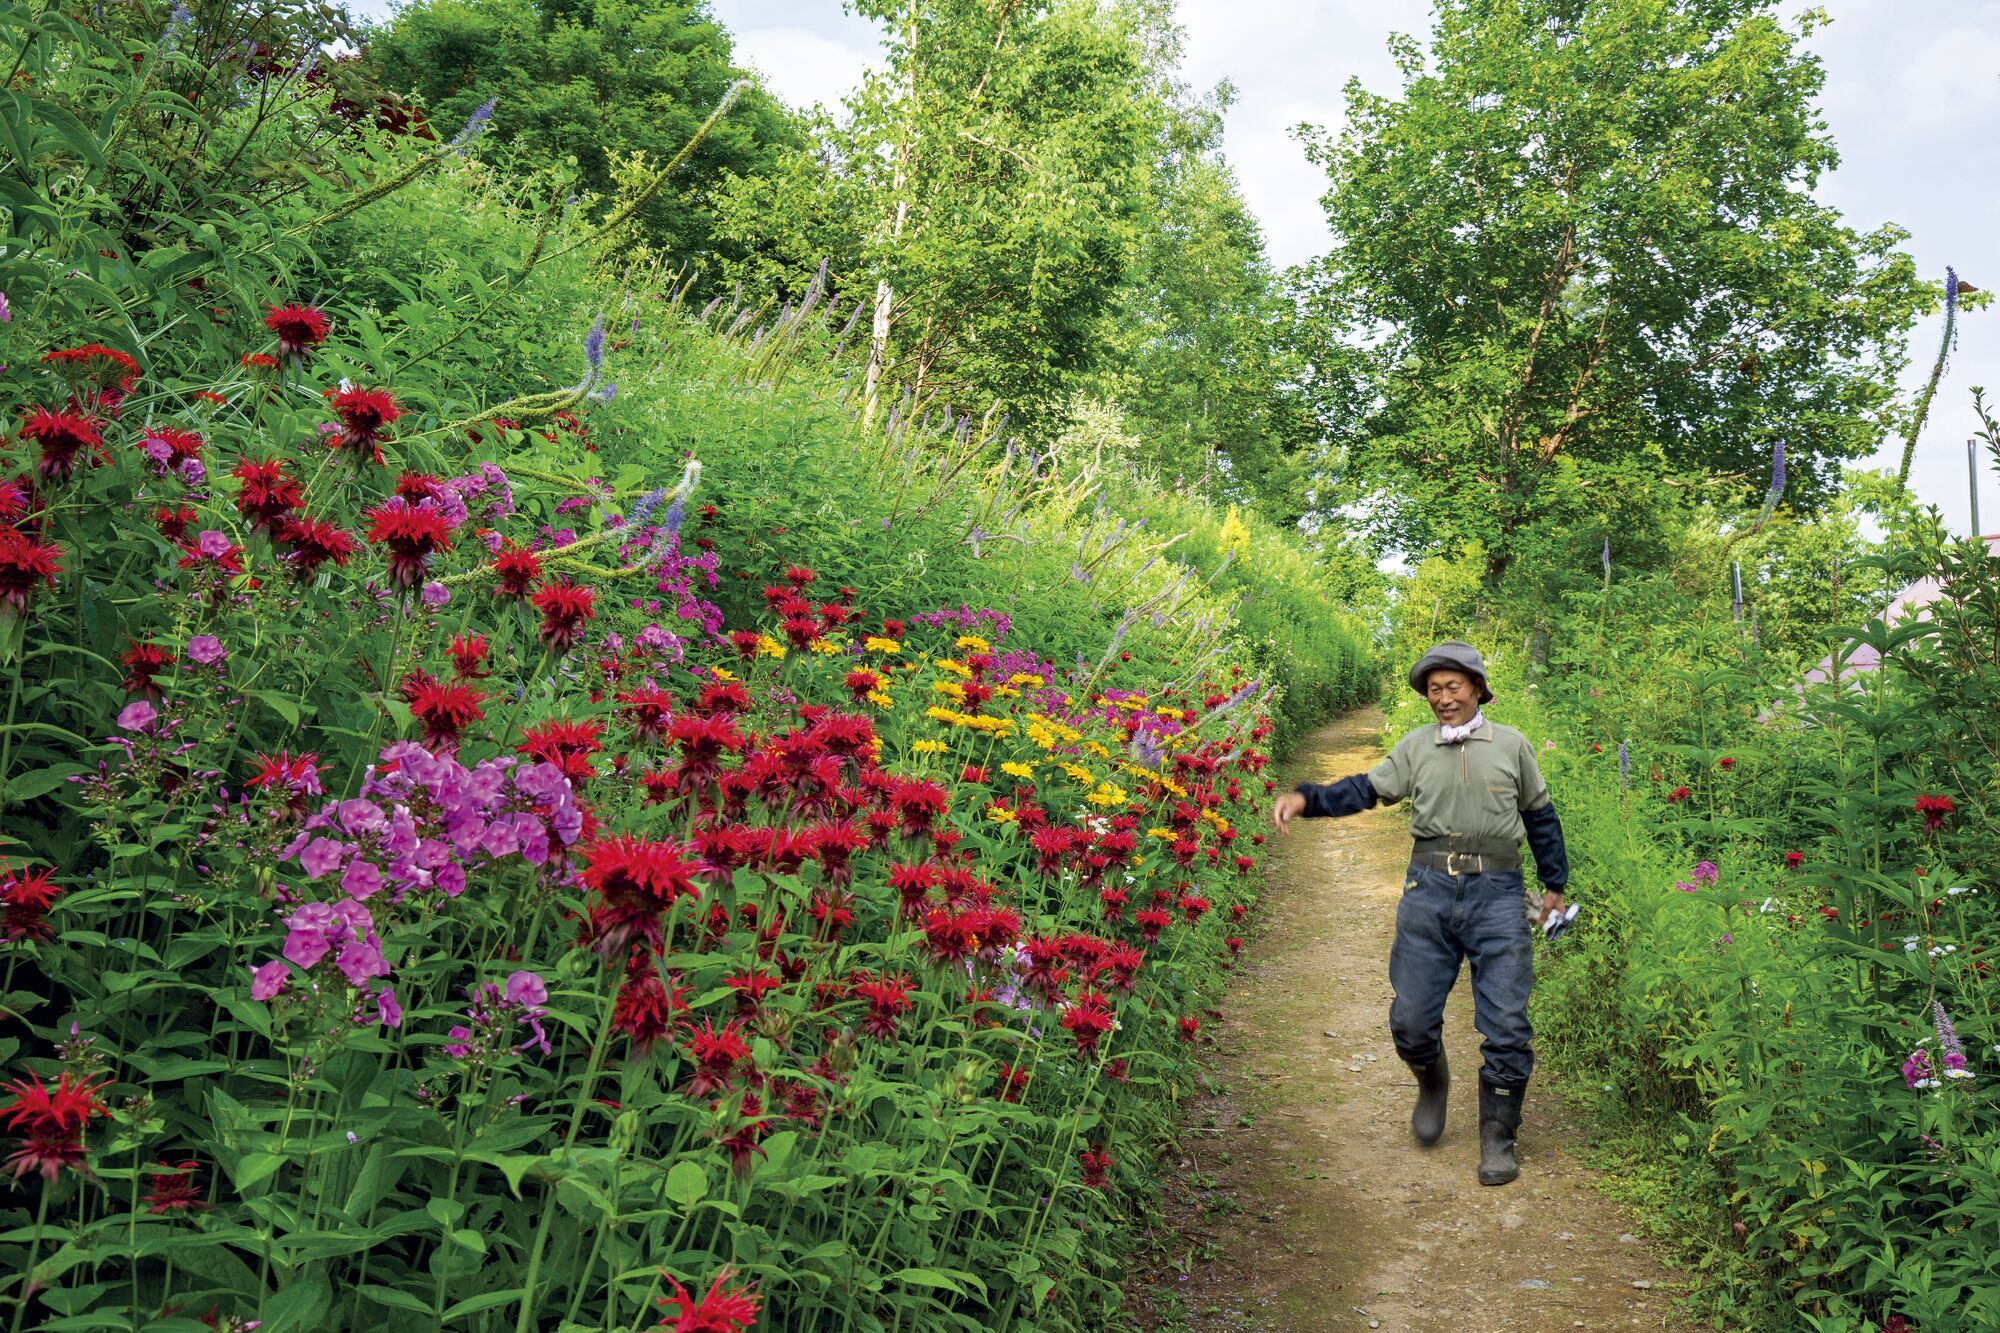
x: 1014, y: 770
x: 929, y: 747
x: 875, y: 643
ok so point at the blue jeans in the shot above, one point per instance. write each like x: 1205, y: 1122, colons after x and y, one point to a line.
x: 1442, y: 920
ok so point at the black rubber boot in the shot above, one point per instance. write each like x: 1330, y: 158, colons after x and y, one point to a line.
x: 1499, y: 1126
x: 1433, y: 1085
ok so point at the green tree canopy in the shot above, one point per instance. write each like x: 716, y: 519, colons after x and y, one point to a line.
x: 589, y: 78
x: 1199, y: 346
x: 1581, y: 246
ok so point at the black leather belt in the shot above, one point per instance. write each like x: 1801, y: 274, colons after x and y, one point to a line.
x: 1470, y: 857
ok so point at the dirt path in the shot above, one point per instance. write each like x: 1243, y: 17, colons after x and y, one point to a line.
x: 1344, y: 1222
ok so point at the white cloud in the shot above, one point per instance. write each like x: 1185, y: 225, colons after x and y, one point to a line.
x: 1949, y: 80
x: 803, y: 68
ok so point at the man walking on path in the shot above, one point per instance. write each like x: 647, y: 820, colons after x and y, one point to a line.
x: 1475, y: 793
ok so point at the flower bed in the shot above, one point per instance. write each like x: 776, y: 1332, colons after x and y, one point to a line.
x: 418, y: 915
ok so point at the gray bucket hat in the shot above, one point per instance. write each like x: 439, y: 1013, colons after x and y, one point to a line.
x: 1457, y: 656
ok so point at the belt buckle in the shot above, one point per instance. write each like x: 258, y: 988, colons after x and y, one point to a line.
x: 1451, y: 862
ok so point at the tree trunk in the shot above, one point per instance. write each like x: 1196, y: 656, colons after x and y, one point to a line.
x: 885, y: 294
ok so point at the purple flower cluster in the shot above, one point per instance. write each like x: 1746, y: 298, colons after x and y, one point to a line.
x: 440, y: 817
x: 474, y: 485
x: 679, y: 580
x: 982, y: 621
x: 1918, y: 1073
x: 1704, y: 873
x: 494, y: 1013
x: 420, y: 822
x: 1954, y: 1052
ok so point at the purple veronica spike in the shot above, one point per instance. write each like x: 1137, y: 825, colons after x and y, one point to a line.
x: 474, y: 127
x: 593, y: 346
x: 1625, y: 763
x: 1950, y: 289
x: 1607, y: 557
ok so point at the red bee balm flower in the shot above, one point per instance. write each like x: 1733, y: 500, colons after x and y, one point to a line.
x: 300, y: 328
x: 445, y: 710
x: 567, y: 745
x: 721, y: 1310
x: 50, y: 1122
x: 1096, y: 1164
x: 313, y: 543
x: 27, y: 898
x: 634, y: 880
x: 565, y: 607
x: 100, y: 376
x: 650, y: 709
x: 24, y: 562
x: 645, y: 1007
x: 268, y: 492
x: 145, y: 660
x: 174, y: 1189
x: 1935, y: 810
x: 413, y: 536
x: 363, y: 414
x: 716, y: 1052
x: 61, y: 436
x: 888, y: 1000
x: 1677, y: 795
x: 468, y: 655
x: 517, y: 569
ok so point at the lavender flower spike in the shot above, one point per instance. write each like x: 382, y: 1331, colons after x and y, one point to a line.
x: 593, y: 347
x: 1952, y: 1053
x: 474, y: 127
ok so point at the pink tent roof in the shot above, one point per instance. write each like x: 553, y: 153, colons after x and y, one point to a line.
x: 1909, y: 602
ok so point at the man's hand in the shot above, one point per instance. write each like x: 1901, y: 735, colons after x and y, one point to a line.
x: 1287, y: 808
x: 1552, y: 902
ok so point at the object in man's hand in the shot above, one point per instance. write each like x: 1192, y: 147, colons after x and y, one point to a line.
x: 1555, y: 923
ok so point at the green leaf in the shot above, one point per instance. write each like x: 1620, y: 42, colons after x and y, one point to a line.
x: 485, y: 1301
x: 302, y: 1303
x: 686, y: 1184
x: 41, y: 781
x: 253, y: 1168
x: 396, y: 1298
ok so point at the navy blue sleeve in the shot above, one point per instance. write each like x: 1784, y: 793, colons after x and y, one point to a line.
x: 1349, y: 796
x: 1545, y: 840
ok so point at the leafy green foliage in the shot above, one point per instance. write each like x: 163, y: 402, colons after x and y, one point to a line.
x: 1200, y: 346
x: 1584, y: 236
x: 590, y: 83
x: 469, y: 1107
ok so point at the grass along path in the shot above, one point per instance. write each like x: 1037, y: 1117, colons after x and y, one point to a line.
x: 1302, y: 1202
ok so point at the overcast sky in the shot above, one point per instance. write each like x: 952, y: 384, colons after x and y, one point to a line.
x: 1912, y: 98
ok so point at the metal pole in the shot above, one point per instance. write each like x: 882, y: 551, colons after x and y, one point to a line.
x: 1972, y: 482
